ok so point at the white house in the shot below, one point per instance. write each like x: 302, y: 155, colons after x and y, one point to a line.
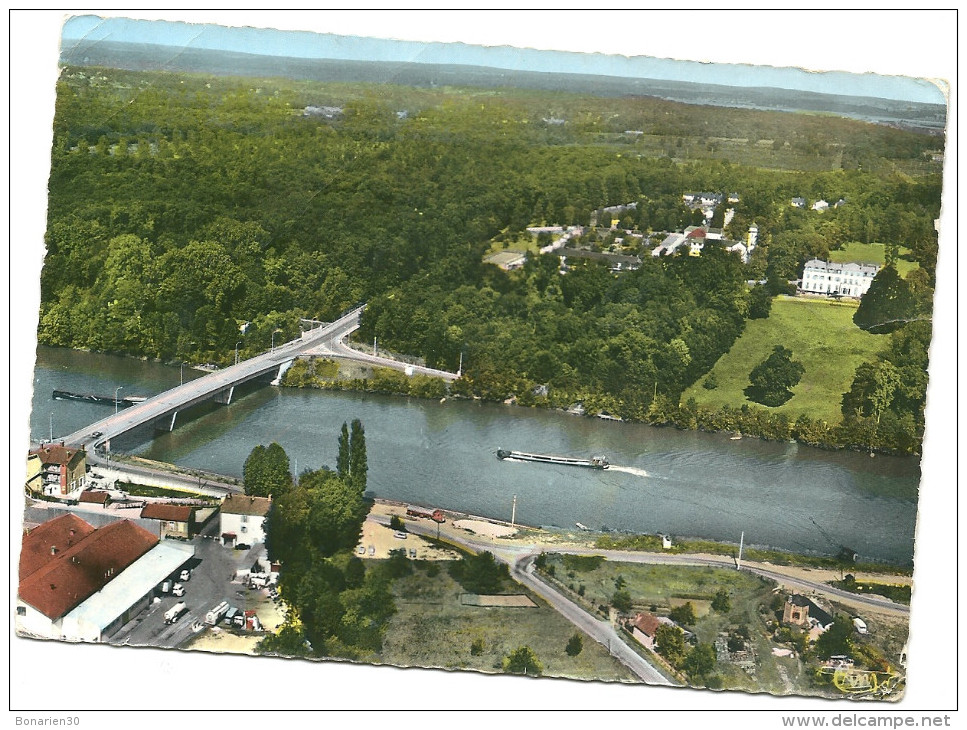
x: 848, y: 280
x: 820, y: 205
x: 242, y: 519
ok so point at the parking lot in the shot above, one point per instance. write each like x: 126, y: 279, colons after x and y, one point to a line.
x: 212, y: 572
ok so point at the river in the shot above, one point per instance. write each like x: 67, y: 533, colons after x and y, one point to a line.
x: 782, y: 495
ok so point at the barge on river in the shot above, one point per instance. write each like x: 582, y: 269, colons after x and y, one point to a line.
x: 595, y: 462
x: 129, y: 400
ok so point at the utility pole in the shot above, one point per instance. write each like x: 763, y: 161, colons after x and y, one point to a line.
x: 513, y: 512
x: 738, y: 563
x: 116, y: 390
x: 374, y: 347
x: 52, y: 428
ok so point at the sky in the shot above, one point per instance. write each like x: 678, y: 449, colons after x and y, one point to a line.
x: 301, y: 44
x: 918, y: 44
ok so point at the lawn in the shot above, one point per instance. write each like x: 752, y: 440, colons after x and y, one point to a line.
x: 871, y: 253
x: 432, y: 628
x: 821, y: 335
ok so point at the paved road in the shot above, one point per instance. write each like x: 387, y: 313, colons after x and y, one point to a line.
x: 204, y: 388
x: 335, y: 347
x: 113, y: 470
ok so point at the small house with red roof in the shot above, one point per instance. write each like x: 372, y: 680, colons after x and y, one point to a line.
x: 695, y: 237
x: 176, y: 520
x: 61, y: 469
x: 643, y: 627
x: 95, y: 496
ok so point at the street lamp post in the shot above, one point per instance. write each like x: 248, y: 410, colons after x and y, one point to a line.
x: 116, y: 391
x: 273, y: 339
x: 182, y: 372
x: 236, y: 351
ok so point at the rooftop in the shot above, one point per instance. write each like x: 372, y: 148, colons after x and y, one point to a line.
x: 72, y: 574
x: 169, y: 512
x: 56, y: 454
x: 242, y: 504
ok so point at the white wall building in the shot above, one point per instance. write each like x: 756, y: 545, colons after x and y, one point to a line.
x: 242, y: 519
x: 848, y: 280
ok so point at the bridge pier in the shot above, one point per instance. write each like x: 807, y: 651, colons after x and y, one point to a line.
x: 225, y: 396
x: 282, y: 368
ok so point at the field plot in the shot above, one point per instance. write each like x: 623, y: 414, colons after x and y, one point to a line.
x: 871, y: 253
x: 820, y: 333
x: 433, y: 628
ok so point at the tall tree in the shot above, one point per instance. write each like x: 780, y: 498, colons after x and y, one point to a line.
x: 887, y: 305
x: 358, y: 466
x: 771, y: 379
x: 342, y: 458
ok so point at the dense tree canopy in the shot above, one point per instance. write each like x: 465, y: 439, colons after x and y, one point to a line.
x: 887, y: 305
x: 267, y: 472
x: 771, y: 379
x: 185, y: 208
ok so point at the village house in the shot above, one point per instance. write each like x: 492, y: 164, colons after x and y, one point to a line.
x: 176, y: 520
x: 643, y: 628
x: 243, y: 518
x: 61, y: 470
x: 806, y: 614
x: 848, y: 280
x: 95, y: 496
x: 80, y: 583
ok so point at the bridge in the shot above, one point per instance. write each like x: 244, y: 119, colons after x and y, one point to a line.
x: 162, y: 410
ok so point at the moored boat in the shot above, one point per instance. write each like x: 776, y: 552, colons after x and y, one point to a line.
x: 91, y: 398
x: 595, y: 462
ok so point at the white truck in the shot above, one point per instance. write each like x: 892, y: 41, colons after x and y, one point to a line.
x: 175, y: 612
x: 215, y: 615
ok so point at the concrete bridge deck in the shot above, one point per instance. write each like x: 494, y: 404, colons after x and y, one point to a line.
x: 163, y: 408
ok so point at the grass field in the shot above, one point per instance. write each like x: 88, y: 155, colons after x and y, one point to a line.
x: 432, y: 628
x: 871, y: 253
x: 821, y: 335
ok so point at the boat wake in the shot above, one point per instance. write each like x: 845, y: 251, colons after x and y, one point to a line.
x: 629, y: 470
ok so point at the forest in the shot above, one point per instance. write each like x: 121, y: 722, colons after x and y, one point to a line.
x: 184, y: 206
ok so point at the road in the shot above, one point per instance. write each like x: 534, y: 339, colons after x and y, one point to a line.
x: 520, y: 560
x: 195, y: 391
x: 336, y: 347
x: 113, y: 470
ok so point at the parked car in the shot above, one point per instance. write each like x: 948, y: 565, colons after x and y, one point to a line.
x: 412, y: 552
x: 186, y: 575
x: 372, y: 550
x: 361, y: 550
x: 178, y: 590
x: 400, y: 534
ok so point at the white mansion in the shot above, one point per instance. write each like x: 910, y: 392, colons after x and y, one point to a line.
x: 848, y: 280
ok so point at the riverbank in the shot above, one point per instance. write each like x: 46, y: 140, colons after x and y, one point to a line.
x: 749, y: 421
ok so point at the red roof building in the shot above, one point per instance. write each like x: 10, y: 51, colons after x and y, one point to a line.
x: 94, y: 496
x: 177, y: 520
x: 63, y: 470
x: 62, y: 564
x: 643, y: 628
x: 43, y: 543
